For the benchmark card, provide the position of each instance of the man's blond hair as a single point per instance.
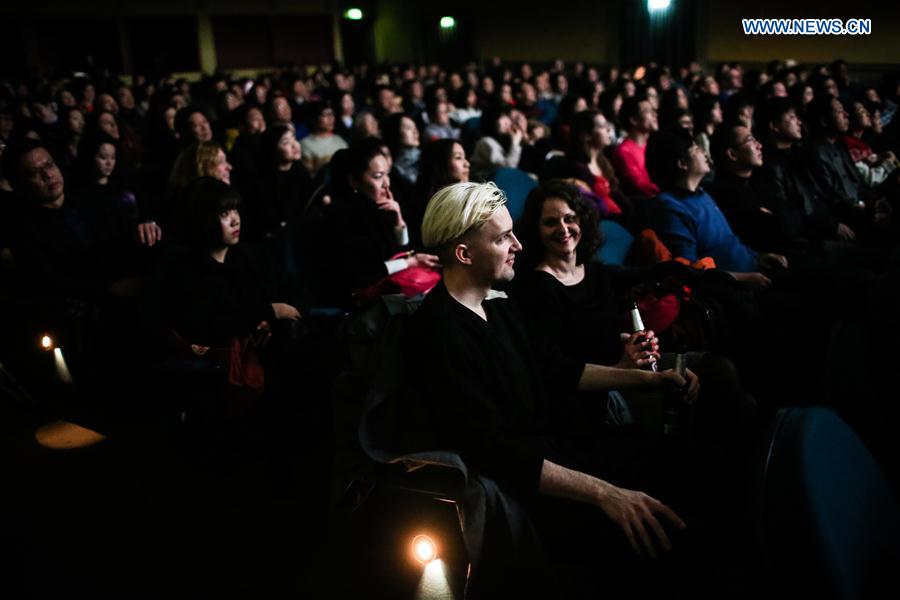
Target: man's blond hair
(458, 209)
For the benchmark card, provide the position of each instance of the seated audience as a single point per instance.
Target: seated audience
(687, 219)
(217, 290)
(321, 144)
(501, 145)
(638, 118)
(366, 228)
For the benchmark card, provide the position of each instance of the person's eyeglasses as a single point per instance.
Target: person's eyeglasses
(42, 171)
(747, 140)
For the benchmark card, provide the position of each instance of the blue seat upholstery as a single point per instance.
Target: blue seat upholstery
(517, 184)
(830, 522)
(616, 245)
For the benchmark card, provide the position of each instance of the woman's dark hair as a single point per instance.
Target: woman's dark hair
(703, 109)
(631, 109)
(664, 149)
(268, 146)
(360, 154)
(88, 147)
(460, 97)
(796, 91)
(606, 104)
(527, 228)
(434, 167)
(92, 122)
(390, 132)
(668, 101)
(490, 119)
(205, 200)
(182, 120)
(314, 110)
(582, 131)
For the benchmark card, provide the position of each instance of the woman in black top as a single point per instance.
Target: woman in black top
(219, 290)
(364, 227)
(285, 185)
(104, 202)
(571, 307)
(569, 300)
(557, 279)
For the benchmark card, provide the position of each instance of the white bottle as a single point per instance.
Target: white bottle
(637, 324)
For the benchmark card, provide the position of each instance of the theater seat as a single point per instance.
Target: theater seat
(617, 243)
(829, 521)
(517, 184)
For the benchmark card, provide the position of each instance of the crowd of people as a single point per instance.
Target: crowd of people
(227, 213)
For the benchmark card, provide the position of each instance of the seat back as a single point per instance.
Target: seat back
(516, 184)
(830, 523)
(617, 243)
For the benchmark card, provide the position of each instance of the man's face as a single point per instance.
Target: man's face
(647, 120)
(527, 94)
(789, 127)
(493, 249)
(386, 100)
(840, 120)
(746, 150)
(126, 98)
(697, 165)
(41, 179)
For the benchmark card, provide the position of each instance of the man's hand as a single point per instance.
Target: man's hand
(689, 384)
(755, 280)
(844, 233)
(635, 512)
(148, 233)
(285, 311)
(772, 261)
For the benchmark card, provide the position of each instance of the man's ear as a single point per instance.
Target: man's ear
(461, 253)
(682, 166)
(730, 155)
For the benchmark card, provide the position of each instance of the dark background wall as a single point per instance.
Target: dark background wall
(200, 35)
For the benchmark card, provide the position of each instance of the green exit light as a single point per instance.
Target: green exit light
(448, 22)
(354, 14)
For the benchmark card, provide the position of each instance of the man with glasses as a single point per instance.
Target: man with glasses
(751, 208)
(56, 254)
(686, 218)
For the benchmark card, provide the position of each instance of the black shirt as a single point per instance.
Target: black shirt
(481, 387)
(210, 303)
(785, 175)
(571, 324)
(742, 200)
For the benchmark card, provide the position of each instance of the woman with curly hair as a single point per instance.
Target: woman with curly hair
(570, 303)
